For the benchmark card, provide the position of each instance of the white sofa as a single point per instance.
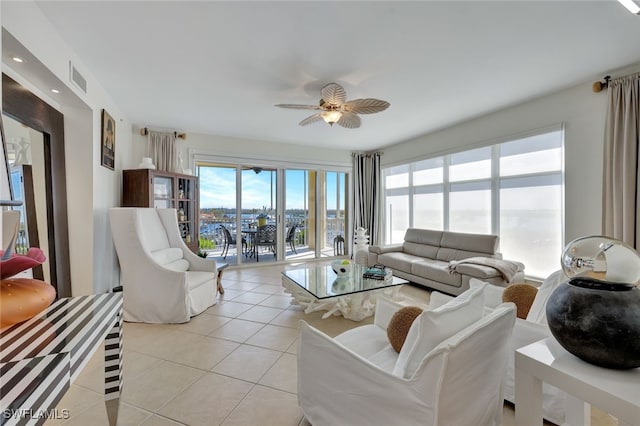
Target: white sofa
(163, 280)
(425, 255)
(525, 332)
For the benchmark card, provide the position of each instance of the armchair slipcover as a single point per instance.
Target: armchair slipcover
(162, 280)
(525, 332)
(348, 380)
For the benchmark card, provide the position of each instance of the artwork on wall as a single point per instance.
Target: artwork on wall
(108, 140)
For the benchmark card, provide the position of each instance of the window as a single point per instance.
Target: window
(513, 189)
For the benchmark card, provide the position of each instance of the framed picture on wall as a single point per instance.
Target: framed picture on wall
(108, 140)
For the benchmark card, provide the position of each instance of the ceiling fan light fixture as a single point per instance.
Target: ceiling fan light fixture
(330, 117)
(631, 6)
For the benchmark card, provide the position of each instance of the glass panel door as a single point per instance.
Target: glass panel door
(297, 205)
(333, 214)
(218, 212)
(259, 214)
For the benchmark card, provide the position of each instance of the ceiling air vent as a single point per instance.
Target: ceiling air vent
(77, 78)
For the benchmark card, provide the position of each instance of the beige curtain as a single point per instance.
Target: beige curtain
(162, 150)
(621, 158)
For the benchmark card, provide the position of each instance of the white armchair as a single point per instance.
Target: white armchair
(525, 332)
(162, 280)
(352, 379)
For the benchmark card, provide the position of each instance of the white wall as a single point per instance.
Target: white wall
(583, 113)
(91, 188)
(254, 151)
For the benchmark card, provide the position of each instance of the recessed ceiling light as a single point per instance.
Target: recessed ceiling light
(18, 59)
(55, 90)
(631, 6)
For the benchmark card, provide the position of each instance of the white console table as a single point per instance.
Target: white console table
(614, 391)
(41, 357)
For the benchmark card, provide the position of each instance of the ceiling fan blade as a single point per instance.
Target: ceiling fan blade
(349, 120)
(311, 119)
(365, 106)
(296, 106)
(333, 93)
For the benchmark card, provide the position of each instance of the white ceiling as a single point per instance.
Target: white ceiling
(218, 67)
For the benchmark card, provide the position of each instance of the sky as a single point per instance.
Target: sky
(218, 188)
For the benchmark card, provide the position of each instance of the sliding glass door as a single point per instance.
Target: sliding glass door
(247, 217)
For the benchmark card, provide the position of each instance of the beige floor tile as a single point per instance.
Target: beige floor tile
(266, 407)
(159, 385)
(333, 325)
(136, 363)
(237, 330)
(293, 348)
(230, 293)
(157, 420)
(274, 337)
(75, 401)
(277, 301)
(262, 314)
(283, 375)
(148, 338)
(207, 401)
(128, 415)
(248, 363)
(267, 289)
(92, 376)
(251, 297)
(202, 324)
(196, 351)
(228, 309)
(289, 318)
(241, 286)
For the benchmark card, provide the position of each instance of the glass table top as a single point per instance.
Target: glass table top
(323, 283)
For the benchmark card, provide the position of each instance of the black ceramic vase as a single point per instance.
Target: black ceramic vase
(597, 321)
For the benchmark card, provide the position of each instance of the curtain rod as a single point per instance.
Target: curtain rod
(145, 131)
(599, 85)
(367, 154)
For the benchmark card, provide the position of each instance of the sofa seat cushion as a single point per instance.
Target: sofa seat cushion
(371, 343)
(399, 261)
(166, 255)
(436, 271)
(180, 265)
(198, 278)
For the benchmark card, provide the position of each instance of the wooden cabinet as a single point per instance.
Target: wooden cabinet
(160, 189)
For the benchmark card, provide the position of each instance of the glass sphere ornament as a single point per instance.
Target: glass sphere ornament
(596, 314)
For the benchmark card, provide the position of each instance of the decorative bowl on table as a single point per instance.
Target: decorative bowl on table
(596, 314)
(342, 268)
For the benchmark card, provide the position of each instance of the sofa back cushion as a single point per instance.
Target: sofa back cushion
(151, 231)
(458, 246)
(422, 242)
(433, 326)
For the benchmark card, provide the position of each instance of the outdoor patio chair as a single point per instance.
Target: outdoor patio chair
(230, 240)
(265, 237)
(291, 237)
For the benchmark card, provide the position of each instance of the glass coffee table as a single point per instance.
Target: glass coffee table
(318, 288)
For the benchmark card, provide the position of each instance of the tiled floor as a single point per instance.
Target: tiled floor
(235, 364)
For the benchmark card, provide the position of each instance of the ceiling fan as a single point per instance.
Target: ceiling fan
(334, 108)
